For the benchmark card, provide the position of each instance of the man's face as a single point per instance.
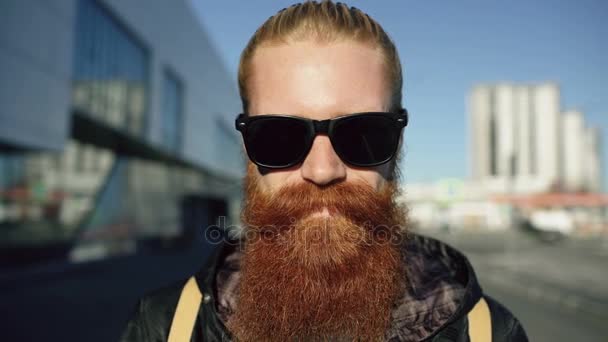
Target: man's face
(319, 81)
(323, 223)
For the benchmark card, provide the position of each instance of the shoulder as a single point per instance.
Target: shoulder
(152, 315)
(505, 327)
(431, 247)
(431, 256)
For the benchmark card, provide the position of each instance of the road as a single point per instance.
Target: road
(558, 290)
(86, 302)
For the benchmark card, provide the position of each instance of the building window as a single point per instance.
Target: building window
(109, 70)
(172, 99)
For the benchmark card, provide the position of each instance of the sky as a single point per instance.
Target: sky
(447, 47)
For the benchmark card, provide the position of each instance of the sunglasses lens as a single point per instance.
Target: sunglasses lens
(366, 140)
(276, 142)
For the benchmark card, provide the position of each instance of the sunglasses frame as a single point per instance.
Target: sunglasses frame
(316, 127)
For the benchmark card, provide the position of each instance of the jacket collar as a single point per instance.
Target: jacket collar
(442, 287)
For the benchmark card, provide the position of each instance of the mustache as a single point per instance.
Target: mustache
(356, 201)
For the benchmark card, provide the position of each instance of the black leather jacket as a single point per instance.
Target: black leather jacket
(434, 308)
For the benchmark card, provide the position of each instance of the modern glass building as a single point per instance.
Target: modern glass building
(115, 128)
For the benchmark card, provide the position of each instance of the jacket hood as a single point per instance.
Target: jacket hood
(442, 287)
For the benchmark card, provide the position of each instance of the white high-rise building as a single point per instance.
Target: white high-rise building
(524, 137)
(520, 142)
(504, 120)
(591, 161)
(547, 130)
(480, 128)
(574, 150)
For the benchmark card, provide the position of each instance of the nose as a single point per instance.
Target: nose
(322, 166)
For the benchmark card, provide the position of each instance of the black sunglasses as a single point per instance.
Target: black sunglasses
(361, 139)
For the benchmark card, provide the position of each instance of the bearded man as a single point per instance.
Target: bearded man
(325, 253)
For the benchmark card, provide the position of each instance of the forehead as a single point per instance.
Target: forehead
(317, 80)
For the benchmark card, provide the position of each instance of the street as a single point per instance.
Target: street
(87, 302)
(557, 290)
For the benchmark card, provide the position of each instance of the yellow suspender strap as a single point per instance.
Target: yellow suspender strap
(480, 322)
(186, 312)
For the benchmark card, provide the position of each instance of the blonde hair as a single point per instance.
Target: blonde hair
(324, 22)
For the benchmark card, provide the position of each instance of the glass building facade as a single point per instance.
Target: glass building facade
(110, 185)
(109, 71)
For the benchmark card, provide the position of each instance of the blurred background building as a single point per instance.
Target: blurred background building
(118, 154)
(522, 142)
(115, 129)
(532, 164)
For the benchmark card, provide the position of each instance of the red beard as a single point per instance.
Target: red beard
(314, 277)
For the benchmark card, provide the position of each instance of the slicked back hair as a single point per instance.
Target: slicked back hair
(323, 22)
